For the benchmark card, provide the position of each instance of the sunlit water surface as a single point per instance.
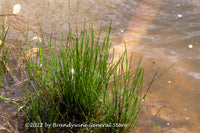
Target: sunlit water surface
(162, 32)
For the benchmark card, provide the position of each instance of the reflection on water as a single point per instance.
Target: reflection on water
(163, 32)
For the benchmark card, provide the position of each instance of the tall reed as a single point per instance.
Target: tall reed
(3, 51)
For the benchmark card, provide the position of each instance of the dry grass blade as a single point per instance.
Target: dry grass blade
(8, 70)
(5, 117)
(3, 129)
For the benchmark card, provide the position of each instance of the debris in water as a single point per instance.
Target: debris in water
(31, 53)
(36, 38)
(122, 31)
(168, 123)
(158, 76)
(16, 8)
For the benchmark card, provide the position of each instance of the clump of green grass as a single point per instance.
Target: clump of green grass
(74, 85)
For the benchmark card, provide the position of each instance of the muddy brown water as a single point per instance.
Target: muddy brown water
(161, 31)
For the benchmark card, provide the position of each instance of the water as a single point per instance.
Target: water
(162, 32)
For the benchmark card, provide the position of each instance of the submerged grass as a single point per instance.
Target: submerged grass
(73, 88)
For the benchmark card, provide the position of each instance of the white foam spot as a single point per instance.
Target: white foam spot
(187, 118)
(180, 15)
(194, 75)
(169, 82)
(190, 46)
(168, 123)
(121, 31)
(16, 8)
(178, 5)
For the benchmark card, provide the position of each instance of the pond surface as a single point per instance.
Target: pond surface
(161, 31)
